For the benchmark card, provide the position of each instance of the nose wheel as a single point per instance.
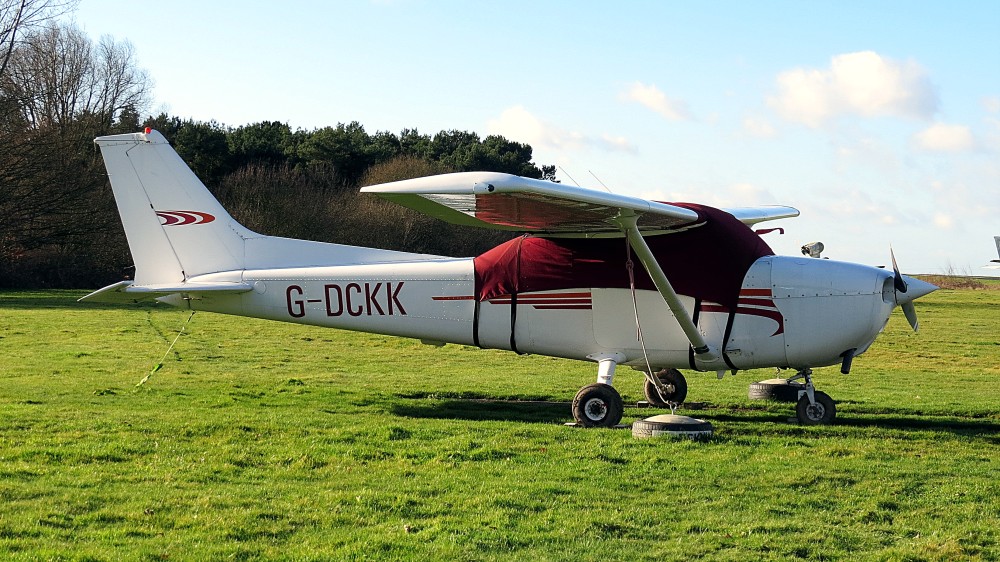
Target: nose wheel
(814, 407)
(821, 411)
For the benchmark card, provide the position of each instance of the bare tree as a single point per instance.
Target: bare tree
(57, 75)
(58, 92)
(119, 84)
(18, 17)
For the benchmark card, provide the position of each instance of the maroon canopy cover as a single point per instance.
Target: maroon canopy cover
(707, 262)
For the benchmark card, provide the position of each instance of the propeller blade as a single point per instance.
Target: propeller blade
(898, 283)
(910, 312)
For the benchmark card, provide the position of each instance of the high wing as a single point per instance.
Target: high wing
(508, 202)
(753, 215)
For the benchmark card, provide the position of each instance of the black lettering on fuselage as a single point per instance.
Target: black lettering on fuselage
(347, 295)
(356, 299)
(296, 308)
(371, 294)
(394, 298)
(329, 301)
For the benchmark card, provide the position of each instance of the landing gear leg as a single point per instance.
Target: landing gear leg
(599, 405)
(814, 407)
(672, 391)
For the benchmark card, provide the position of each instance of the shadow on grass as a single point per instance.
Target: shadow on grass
(541, 411)
(987, 429)
(479, 409)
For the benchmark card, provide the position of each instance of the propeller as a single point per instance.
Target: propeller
(910, 312)
(898, 282)
(907, 290)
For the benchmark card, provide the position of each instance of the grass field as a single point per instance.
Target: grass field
(266, 440)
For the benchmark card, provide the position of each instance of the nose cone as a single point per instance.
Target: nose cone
(915, 288)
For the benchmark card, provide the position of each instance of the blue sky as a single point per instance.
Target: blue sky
(880, 121)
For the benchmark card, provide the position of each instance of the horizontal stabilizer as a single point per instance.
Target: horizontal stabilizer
(126, 292)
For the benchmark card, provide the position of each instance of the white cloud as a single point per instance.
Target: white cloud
(735, 195)
(517, 123)
(863, 83)
(943, 221)
(991, 104)
(617, 143)
(866, 153)
(941, 137)
(758, 127)
(651, 97)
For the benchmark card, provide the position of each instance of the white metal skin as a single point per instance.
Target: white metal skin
(681, 315)
(795, 312)
(995, 264)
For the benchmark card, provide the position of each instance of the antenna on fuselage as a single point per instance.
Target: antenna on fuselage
(600, 182)
(568, 176)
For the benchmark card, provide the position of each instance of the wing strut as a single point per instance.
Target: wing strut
(645, 255)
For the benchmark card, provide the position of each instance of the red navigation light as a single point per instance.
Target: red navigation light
(148, 130)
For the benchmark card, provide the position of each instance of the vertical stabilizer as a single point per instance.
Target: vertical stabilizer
(175, 228)
(997, 240)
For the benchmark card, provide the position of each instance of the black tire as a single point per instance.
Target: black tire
(822, 412)
(676, 384)
(779, 390)
(682, 427)
(598, 405)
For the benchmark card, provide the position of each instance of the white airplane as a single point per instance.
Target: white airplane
(997, 240)
(709, 295)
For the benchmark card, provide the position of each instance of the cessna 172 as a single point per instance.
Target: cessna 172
(710, 295)
(997, 240)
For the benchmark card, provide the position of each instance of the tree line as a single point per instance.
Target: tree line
(59, 226)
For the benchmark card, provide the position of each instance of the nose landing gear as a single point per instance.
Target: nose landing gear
(820, 411)
(814, 407)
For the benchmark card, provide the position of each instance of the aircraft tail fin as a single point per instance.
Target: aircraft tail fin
(997, 240)
(175, 228)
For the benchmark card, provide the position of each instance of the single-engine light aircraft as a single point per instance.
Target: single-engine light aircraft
(995, 264)
(709, 295)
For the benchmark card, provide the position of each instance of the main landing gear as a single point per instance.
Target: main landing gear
(600, 405)
(673, 389)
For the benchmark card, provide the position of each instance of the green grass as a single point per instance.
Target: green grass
(266, 440)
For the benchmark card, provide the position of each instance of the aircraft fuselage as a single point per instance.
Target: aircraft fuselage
(793, 312)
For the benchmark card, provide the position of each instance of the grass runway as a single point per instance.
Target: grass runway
(263, 440)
